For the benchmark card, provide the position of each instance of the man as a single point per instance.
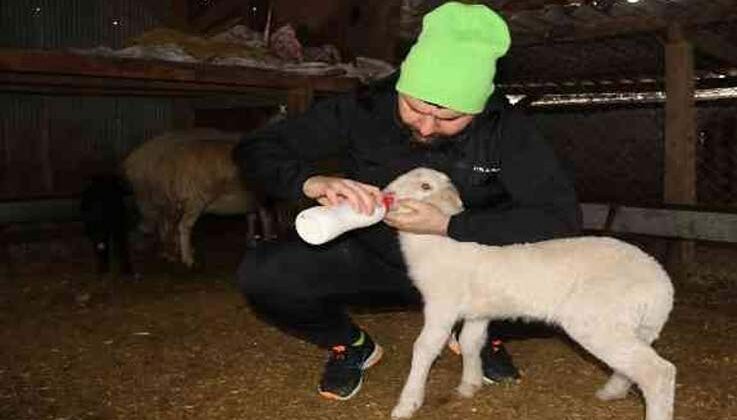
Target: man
(442, 113)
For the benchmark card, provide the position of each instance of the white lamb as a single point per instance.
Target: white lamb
(609, 296)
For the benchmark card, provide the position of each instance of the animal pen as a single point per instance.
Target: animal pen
(638, 98)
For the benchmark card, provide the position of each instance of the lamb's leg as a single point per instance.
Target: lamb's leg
(630, 356)
(473, 336)
(615, 388)
(438, 324)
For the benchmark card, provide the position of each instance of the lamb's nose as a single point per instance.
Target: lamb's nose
(388, 200)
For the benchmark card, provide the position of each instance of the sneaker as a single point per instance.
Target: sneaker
(343, 373)
(497, 363)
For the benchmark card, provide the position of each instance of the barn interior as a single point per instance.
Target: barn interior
(637, 97)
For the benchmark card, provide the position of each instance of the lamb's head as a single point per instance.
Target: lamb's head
(427, 185)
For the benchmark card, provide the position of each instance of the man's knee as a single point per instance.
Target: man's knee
(254, 275)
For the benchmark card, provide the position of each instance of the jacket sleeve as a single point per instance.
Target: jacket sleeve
(543, 203)
(279, 158)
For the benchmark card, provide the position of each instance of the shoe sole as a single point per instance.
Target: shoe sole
(510, 381)
(372, 360)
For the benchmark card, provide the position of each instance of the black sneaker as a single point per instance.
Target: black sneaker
(343, 373)
(497, 363)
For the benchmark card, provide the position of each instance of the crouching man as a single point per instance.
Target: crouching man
(440, 111)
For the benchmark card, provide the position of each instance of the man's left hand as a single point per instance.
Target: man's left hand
(418, 217)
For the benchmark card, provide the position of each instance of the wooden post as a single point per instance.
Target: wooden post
(680, 138)
(298, 100)
(183, 115)
(179, 17)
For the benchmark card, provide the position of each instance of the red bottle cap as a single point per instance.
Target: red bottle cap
(388, 201)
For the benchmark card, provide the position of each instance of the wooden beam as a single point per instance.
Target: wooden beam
(680, 138)
(513, 6)
(680, 120)
(629, 25)
(63, 70)
(299, 100)
(678, 223)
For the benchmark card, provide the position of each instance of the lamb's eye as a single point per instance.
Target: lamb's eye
(425, 186)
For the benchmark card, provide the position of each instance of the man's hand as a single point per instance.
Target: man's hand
(419, 217)
(331, 191)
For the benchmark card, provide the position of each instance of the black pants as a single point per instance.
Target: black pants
(304, 289)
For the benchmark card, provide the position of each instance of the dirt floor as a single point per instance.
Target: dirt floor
(183, 345)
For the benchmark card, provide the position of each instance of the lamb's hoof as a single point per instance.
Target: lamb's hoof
(606, 394)
(467, 390)
(405, 410)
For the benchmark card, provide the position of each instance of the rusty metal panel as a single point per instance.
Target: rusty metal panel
(49, 145)
(22, 170)
(56, 24)
(616, 153)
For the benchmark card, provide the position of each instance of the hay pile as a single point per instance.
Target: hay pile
(241, 46)
(202, 49)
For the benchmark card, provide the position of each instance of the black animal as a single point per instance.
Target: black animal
(106, 222)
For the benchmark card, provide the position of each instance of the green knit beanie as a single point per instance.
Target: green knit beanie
(453, 62)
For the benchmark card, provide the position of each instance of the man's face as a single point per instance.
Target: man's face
(429, 122)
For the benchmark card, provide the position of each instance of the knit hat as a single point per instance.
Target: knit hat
(453, 62)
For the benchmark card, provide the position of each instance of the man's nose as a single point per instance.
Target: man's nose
(426, 125)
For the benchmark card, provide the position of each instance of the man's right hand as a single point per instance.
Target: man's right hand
(331, 191)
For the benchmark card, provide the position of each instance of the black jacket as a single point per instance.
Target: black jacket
(510, 180)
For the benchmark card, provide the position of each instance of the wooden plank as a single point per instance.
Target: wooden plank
(299, 100)
(74, 90)
(44, 156)
(51, 210)
(515, 6)
(22, 64)
(686, 222)
(47, 210)
(630, 25)
(17, 81)
(692, 224)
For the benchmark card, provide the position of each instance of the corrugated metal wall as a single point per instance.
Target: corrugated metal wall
(49, 144)
(53, 24)
(616, 153)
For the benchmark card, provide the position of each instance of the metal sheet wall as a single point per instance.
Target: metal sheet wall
(49, 145)
(616, 154)
(54, 24)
